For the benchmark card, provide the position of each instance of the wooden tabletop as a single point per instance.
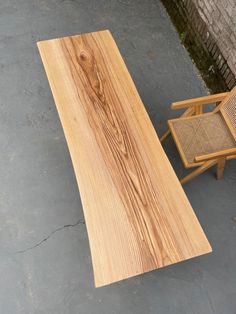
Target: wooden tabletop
(137, 215)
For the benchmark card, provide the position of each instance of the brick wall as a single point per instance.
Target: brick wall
(208, 30)
(220, 17)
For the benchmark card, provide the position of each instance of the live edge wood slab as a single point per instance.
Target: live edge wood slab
(137, 215)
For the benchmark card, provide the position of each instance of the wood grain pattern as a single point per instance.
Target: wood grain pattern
(137, 215)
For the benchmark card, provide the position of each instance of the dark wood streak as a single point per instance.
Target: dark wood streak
(121, 154)
(178, 221)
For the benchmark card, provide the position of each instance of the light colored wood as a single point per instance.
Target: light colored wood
(137, 215)
(198, 109)
(188, 113)
(165, 136)
(216, 155)
(230, 157)
(199, 101)
(198, 171)
(220, 167)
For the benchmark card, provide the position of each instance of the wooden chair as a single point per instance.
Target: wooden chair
(205, 139)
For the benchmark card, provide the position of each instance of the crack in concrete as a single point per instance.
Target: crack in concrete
(79, 222)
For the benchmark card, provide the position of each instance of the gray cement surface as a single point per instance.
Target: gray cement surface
(45, 263)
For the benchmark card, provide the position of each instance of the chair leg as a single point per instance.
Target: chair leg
(164, 136)
(198, 171)
(220, 168)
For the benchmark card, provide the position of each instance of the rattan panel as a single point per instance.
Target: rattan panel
(229, 109)
(203, 134)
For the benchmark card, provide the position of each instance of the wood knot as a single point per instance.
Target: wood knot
(83, 56)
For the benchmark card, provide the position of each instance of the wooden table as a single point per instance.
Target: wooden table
(137, 215)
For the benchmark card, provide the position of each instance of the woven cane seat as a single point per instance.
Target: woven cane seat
(199, 135)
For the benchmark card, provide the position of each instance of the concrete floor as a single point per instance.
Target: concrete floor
(45, 264)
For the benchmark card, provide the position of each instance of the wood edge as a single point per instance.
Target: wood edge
(193, 117)
(206, 251)
(208, 99)
(216, 155)
(97, 284)
(40, 45)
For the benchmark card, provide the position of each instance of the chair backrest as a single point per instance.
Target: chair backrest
(228, 111)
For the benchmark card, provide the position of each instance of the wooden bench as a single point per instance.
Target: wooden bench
(137, 215)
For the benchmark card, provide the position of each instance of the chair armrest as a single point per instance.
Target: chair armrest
(199, 101)
(220, 154)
